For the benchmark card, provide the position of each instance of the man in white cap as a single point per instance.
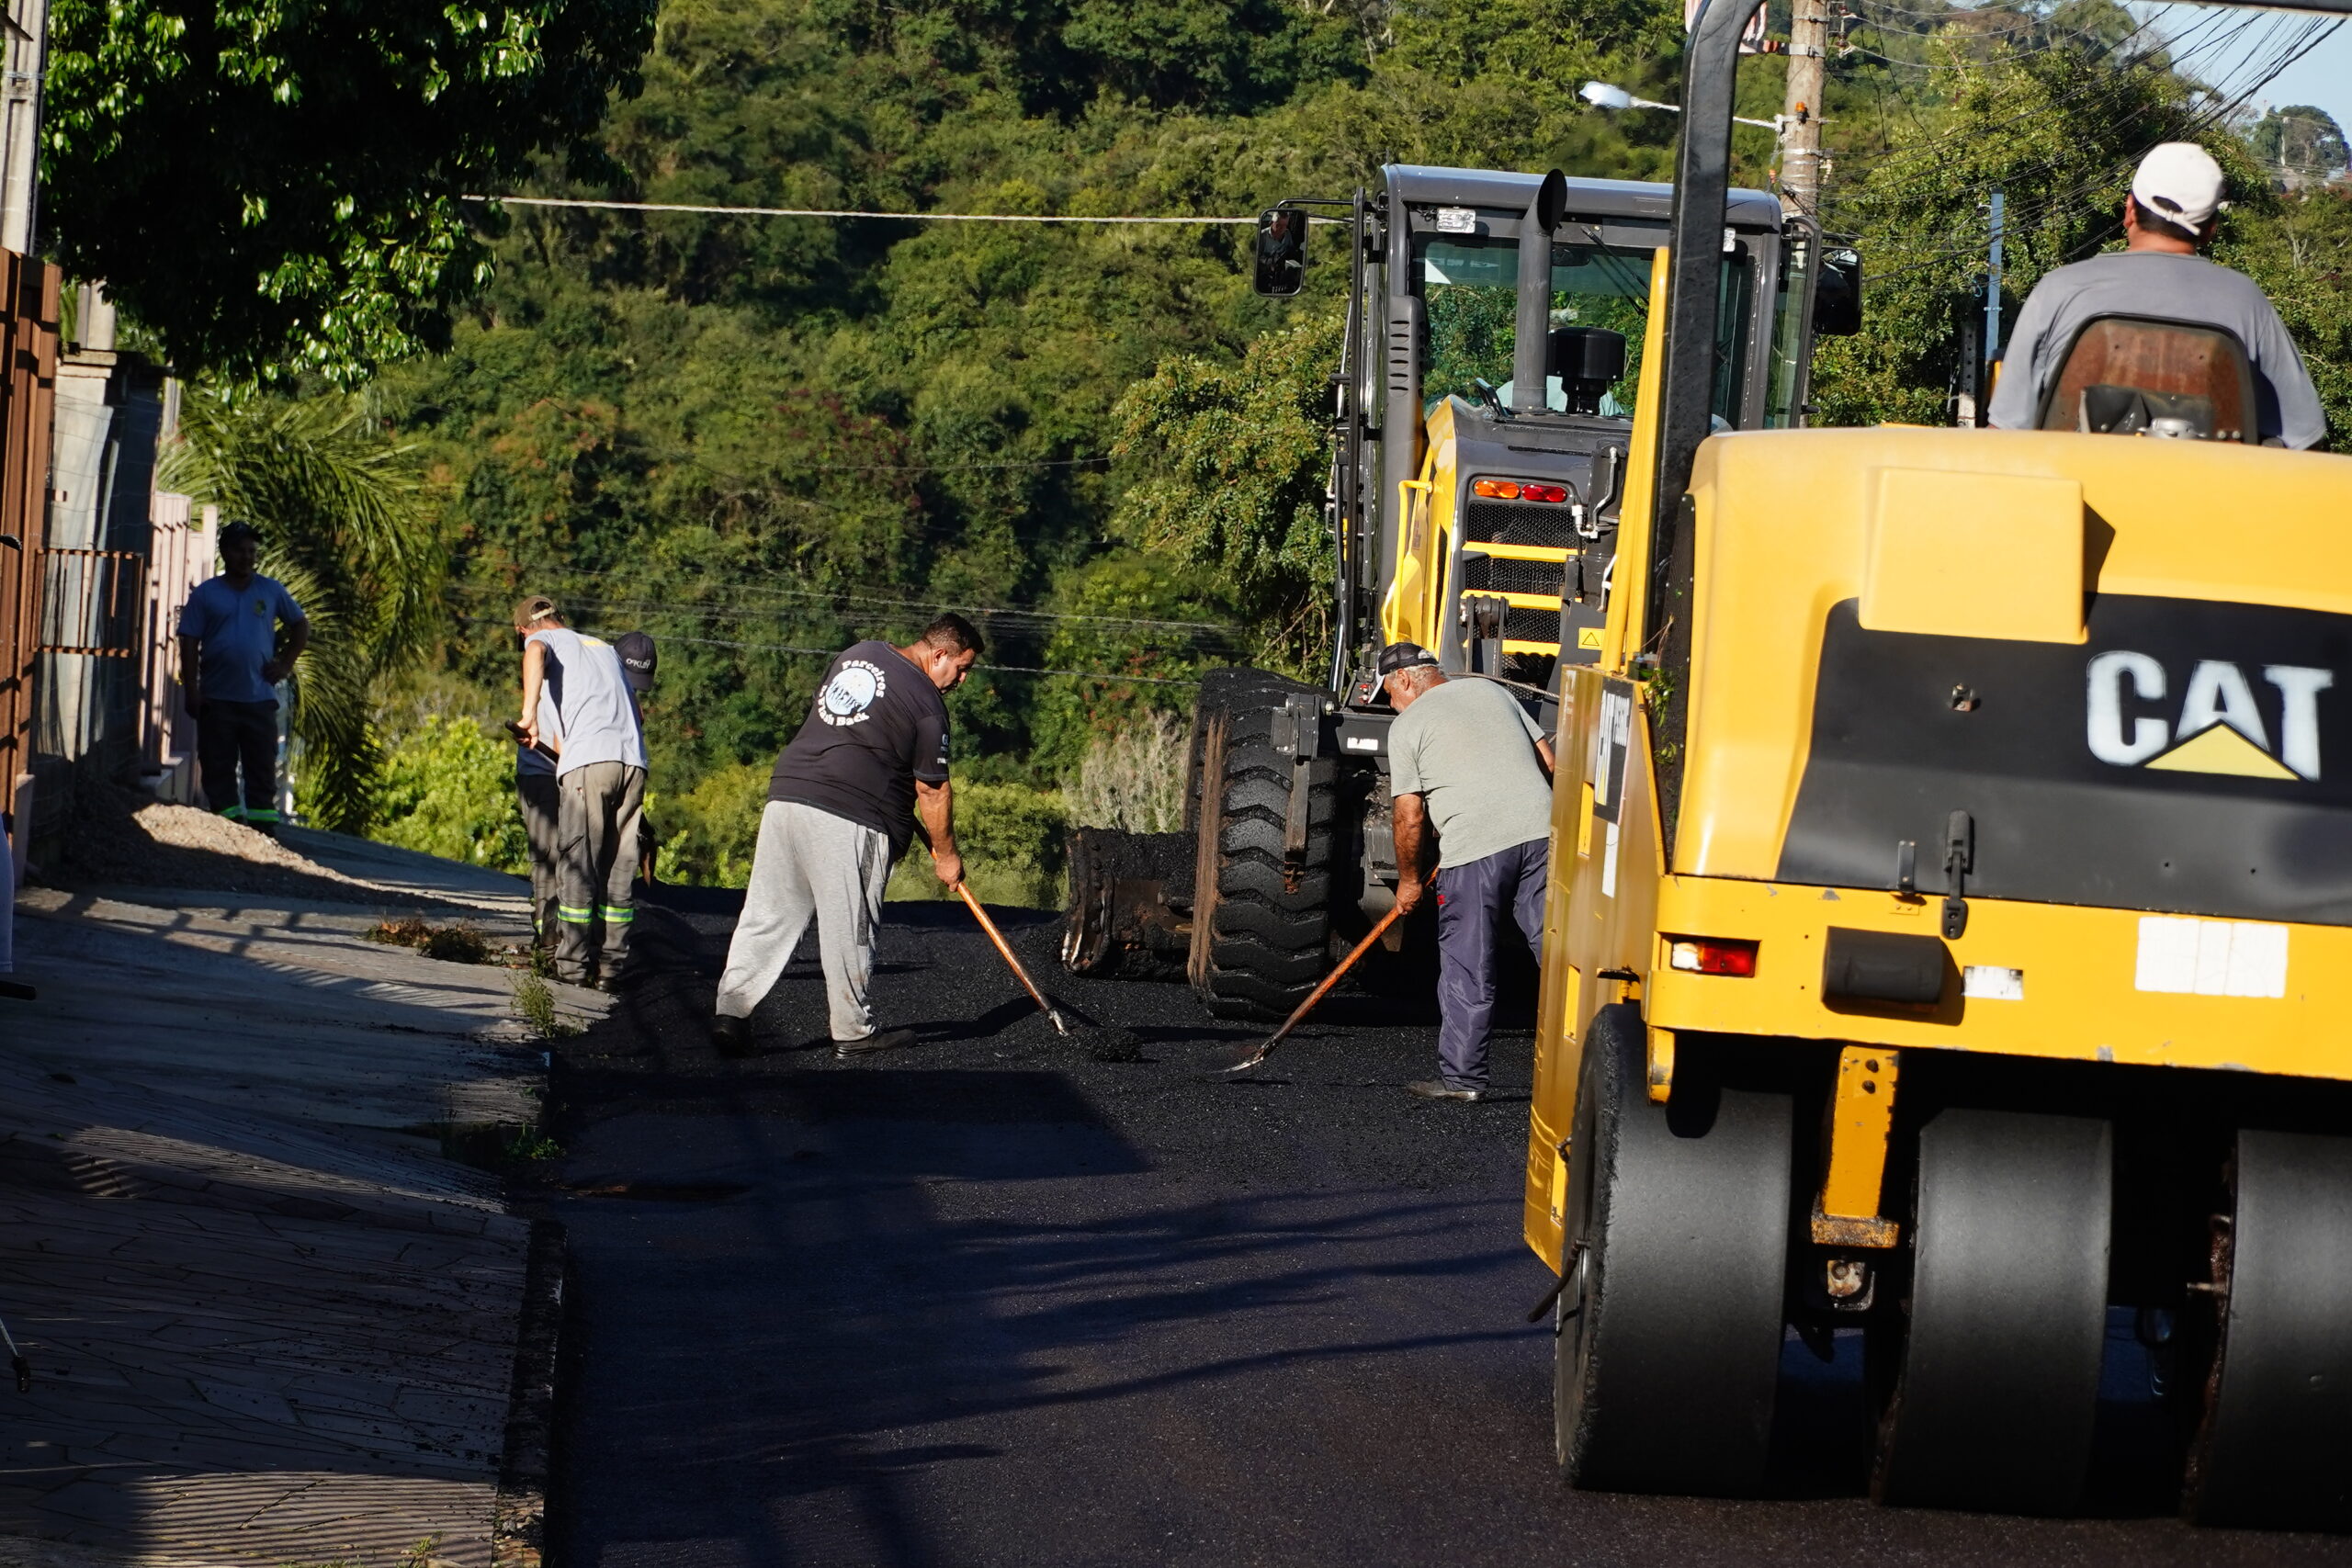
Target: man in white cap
(2171, 214)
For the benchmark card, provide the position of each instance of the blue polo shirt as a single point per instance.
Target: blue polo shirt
(238, 631)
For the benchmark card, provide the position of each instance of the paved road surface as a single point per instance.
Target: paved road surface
(991, 1299)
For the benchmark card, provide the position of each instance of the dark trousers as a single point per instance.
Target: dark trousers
(1472, 902)
(542, 812)
(229, 736)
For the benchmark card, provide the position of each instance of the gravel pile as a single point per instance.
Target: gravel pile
(123, 839)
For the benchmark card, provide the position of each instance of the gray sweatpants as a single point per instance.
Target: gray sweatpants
(809, 863)
(597, 809)
(542, 811)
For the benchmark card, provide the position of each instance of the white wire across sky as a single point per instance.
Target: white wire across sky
(570, 201)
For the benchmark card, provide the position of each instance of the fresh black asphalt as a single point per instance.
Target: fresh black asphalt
(994, 1298)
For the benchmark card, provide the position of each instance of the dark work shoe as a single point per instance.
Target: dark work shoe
(880, 1040)
(731, 1036)
(1438, 1088)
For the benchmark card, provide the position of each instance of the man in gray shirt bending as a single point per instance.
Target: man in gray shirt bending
(2168, 217)
(1464, 760)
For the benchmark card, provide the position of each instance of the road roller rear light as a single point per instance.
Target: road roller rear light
(1712, 955)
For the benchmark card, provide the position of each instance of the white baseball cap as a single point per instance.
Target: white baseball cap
(2180, 182)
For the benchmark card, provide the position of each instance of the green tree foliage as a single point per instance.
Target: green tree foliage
(2058, 130)
(448, 789)
(760, 438)
(345, 526)
(1231, 466)
(2299, 140)
(273, 188)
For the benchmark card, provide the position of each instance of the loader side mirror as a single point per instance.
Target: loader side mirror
(1282, 252)
(1838, 298)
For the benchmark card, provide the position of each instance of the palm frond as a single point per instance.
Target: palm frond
(347, 525)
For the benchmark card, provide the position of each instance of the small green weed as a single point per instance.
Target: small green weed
(535, 1005)
(529, 1143)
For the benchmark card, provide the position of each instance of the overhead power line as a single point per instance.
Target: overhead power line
(570, 201)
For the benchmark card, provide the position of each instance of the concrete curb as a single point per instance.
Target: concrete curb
(518, 1527)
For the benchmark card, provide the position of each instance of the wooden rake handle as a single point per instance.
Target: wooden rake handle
(1317, 993)
(1004, 949)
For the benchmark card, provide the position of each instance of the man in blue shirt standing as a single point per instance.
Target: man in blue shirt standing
(230, 666)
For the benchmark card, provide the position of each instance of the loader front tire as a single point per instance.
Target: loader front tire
(1261, 920)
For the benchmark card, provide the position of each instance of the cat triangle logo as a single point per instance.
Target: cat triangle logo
(2222, 750)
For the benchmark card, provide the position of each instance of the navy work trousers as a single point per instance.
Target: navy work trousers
(1474, 901)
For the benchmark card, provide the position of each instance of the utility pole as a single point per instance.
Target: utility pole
(25, 23)
(1801, 113)
(1992, 306)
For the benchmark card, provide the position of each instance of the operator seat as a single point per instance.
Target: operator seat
(2140, 376)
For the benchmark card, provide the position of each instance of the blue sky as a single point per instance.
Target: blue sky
(2323, 77)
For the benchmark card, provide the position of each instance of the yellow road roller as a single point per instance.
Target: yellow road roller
(1949, 935)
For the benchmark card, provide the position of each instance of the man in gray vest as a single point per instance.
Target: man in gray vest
(1465, 763)
(600, 787)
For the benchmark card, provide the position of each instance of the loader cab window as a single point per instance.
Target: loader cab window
(1469, 286)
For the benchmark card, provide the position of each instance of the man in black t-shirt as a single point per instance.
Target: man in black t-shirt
(868, 772)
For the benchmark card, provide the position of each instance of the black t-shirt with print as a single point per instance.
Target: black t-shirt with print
(878, 725)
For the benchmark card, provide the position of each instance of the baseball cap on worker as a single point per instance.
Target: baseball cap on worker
(1399, 656)
(533, 608)
(2180, 182)
(637, 658)
(240, 530)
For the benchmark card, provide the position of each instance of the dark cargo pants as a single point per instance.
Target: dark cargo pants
(231, 737)
(542, 829)
(1472, 902)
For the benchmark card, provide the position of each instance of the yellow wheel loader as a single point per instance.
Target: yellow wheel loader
(1950, 933)
(1483, 416)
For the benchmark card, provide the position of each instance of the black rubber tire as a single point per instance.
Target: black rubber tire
(1219, 690)
(1668, 1353)
(1263, 931)
(2275, 1445)
(1100, 859)
(1995, 1381)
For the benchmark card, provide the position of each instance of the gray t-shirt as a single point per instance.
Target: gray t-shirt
(592, 702)
(1468, 749)
(2169, 287)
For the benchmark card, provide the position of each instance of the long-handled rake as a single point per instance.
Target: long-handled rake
(1242, 1058)
(1005, 949)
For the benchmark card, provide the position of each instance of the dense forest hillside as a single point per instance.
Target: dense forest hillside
(761, 437)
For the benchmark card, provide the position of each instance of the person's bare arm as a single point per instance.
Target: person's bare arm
(534, 674)
(191, 659)
(1543, 754)
(934, 820)
(297, 638)
(1409, 819)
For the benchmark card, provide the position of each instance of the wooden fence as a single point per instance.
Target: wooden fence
(28, 294)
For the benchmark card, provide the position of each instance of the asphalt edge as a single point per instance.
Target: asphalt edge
(518, 1521)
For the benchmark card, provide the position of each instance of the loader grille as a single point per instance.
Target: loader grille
(1512, 577)
(1518, 522)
